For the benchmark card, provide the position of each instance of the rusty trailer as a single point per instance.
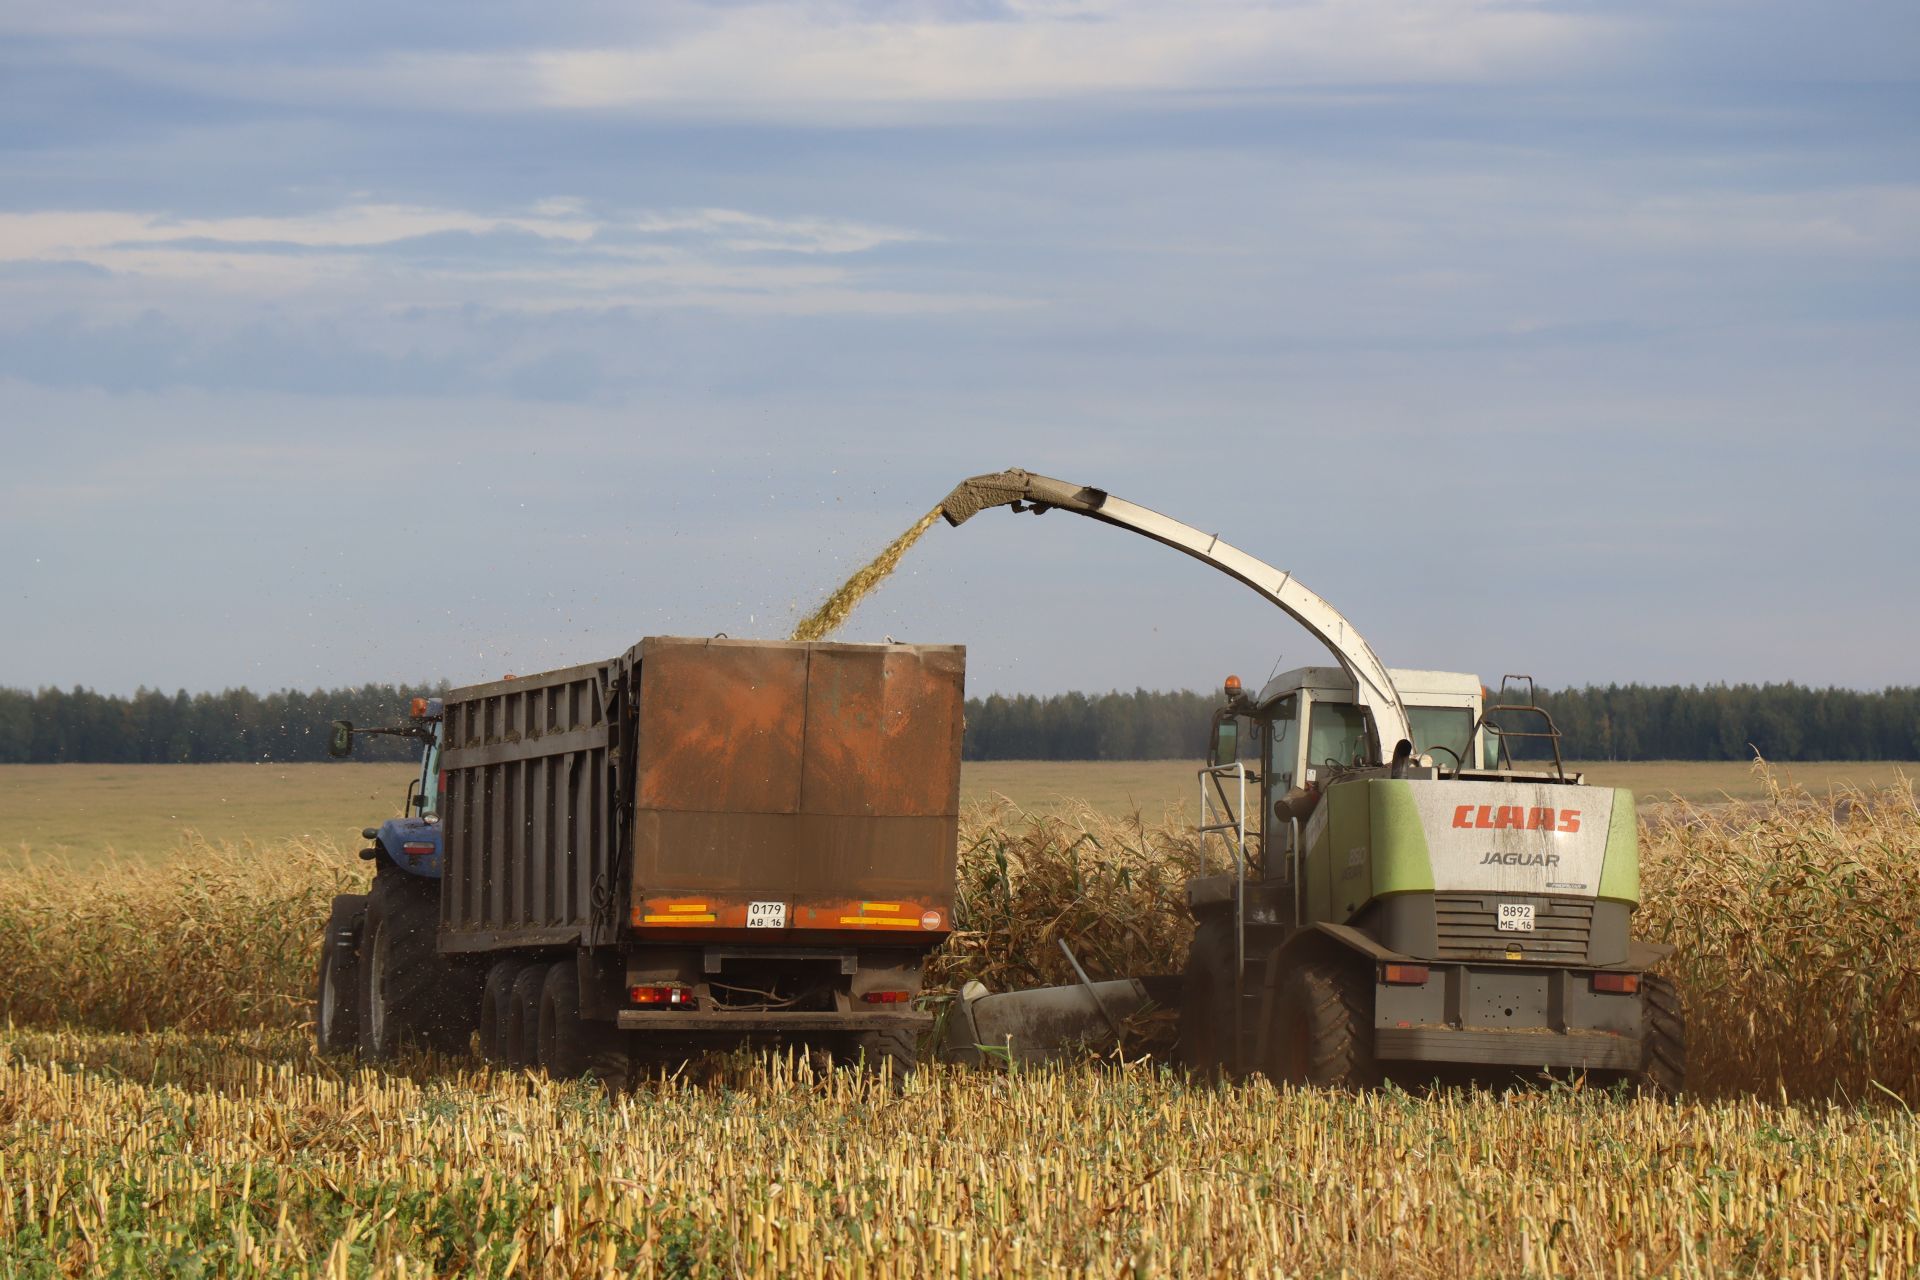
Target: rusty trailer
(697, 843)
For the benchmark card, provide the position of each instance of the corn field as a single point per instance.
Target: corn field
(241, 1155)
(162, 1113)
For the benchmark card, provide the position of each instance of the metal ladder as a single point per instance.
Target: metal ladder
(1232, 828)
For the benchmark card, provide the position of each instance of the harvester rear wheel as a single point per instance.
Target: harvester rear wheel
(336, 994)
(1206, 1000)
(1663, 1066)
(1323, 1033)
(496, 1007)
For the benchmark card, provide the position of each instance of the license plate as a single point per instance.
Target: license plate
(1516, 917)
(773, 915)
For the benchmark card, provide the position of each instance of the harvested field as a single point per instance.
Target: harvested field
(240, 1155)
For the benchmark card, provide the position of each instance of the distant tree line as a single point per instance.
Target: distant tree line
(57, 726)
(1618, 722)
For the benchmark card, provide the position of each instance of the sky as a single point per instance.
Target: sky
(349, 342)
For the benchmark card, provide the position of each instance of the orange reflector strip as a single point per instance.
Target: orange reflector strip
(883, 921)
(690, 908)
(706, 918)
(884, 907)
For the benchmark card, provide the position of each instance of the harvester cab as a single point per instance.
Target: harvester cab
(412, 841)
(1402, 896)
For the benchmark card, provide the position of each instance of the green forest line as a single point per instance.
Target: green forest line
(1616, 722)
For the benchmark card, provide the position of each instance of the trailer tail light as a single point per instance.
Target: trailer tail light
(1620, 983)
(887, 997)
(1404, 975)
(669, 994)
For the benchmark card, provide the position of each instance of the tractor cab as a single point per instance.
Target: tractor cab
(410, 842)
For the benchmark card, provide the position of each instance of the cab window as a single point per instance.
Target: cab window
(430, 776)
(1283, 743)
(1336, 732)
(1445, 727)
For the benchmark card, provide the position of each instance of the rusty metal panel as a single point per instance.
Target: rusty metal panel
(883, 731)
(720, 725)
(820, 776)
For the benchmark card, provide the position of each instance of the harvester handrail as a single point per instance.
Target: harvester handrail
(1388, 733)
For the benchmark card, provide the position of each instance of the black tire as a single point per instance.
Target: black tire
(408, 992)
(520, 1042)
(496, 1005)
(894, 1050)
(1206, 1000)
(1323, 1025)
(563, 1037)
(336, 988)
(1663, 1039)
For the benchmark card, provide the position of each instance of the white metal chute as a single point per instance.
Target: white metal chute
(1374, 691)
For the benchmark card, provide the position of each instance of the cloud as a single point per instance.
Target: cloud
(554, 255)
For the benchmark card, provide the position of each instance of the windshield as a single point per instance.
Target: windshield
(1444, 727)
(1336, 734)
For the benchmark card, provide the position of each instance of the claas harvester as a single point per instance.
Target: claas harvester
(1418, 888)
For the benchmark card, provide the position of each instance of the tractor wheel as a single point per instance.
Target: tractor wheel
(1663, 1031)
(1323, 1029)
(894, 1050)
(336, 993)
(1206, 1000)
(496, 1007)
(408, 992)
(520, 1024)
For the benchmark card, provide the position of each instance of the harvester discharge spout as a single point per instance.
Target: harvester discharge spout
(1389, 737)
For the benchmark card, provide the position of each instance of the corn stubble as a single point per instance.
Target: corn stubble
(222, 1141)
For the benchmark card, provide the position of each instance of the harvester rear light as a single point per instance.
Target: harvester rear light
(1404, 975)
(1621, 983)
(887, 997)
(672, 996)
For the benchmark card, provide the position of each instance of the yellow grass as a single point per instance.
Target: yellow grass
(243, 1156)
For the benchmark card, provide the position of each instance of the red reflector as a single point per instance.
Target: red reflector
(1623, 983)
(1406, 975)
(887, 997)
(669, 995)
(415, 848)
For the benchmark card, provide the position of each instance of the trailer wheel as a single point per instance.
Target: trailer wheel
(877, 1052)
(1206, 1000)
(1324, 1026)
(496, 1007)
(1663, 1064)
(520, 1023)
(336, 993)
(563, 1036)
(407, 990)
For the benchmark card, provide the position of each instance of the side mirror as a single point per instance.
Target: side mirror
(1226, 741)
(340, 745)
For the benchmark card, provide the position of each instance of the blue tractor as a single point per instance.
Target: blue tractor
(380, 973)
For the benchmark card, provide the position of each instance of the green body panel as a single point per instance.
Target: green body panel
(1620, 876)
(1401, 860)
